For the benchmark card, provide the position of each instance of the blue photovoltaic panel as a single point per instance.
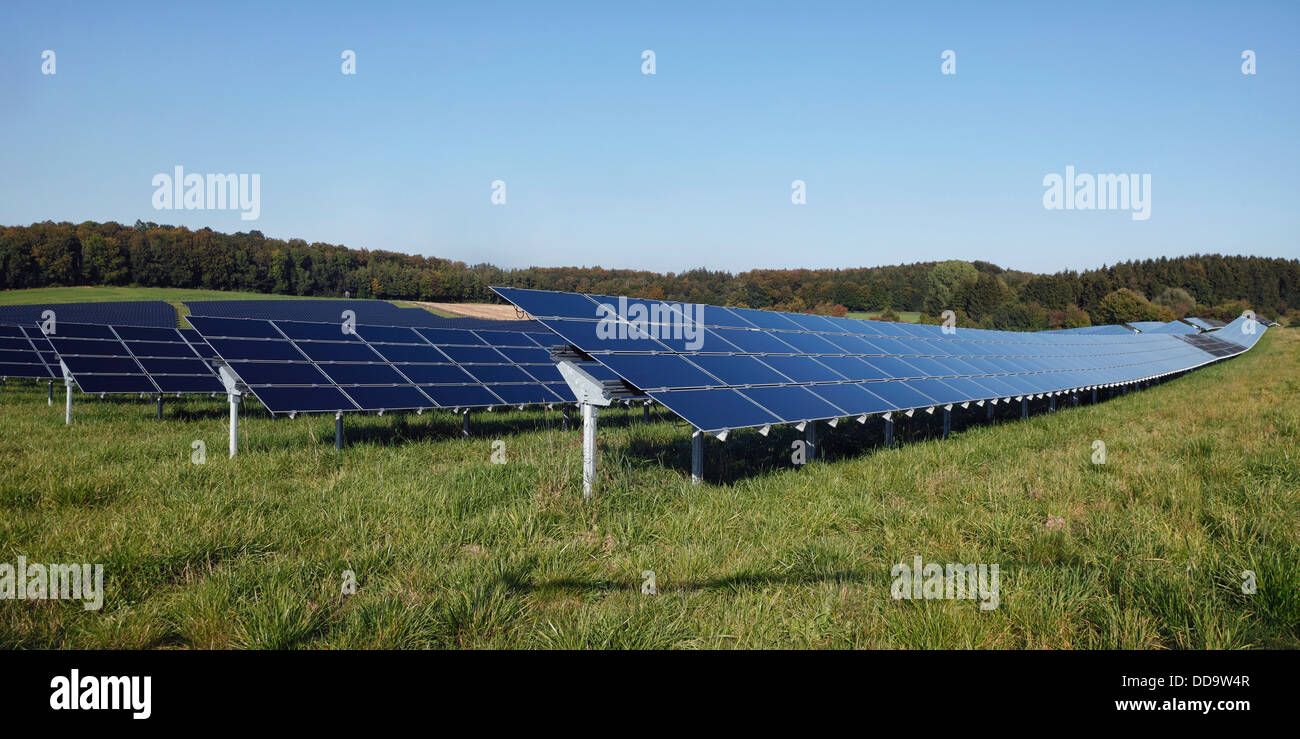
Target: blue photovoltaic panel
(749, 341)
(466, 338)
(738, 370)
(304, 399)
(715, 409)
(435, 374)
(855, 399)
(303, 367)
(133, 313)
(553, 304)
(19, 356)
(803, 369)
(792, 403)
(652, 371)
(545, 373)
(132, 359)
(754, 367)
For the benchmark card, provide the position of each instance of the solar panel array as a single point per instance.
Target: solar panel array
(1110, 329)
(132, 359)
(1205, 324)
(311, 367)
(131, 313)
(20, 356)
(1173, 327)
(1243, 332)
(757, 368)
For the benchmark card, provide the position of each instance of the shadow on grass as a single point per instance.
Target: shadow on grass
(729, 582)
(747, 453)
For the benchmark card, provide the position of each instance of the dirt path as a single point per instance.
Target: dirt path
(487, 311)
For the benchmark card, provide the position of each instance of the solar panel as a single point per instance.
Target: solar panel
(1205, 324)
(732, 368)
(131, 359)
(19, 356)
(1173, 327)
(304, 367)
(130, 313)
(1243, 332)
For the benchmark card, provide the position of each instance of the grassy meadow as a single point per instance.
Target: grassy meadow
(905, 316)
(175, 296)
(449, 550)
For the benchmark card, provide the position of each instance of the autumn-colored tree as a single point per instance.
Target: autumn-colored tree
(1124, 305)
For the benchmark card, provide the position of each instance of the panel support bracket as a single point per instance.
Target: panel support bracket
(67, 383)
(592, 394)
(234, 394)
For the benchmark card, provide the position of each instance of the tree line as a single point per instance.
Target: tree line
(978, 293)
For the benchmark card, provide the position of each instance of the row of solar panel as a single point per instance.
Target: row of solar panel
(24, 352)
(131, 313)
(601, 323)
(294, 366)
(792, 367)
(721, 408)
(134, 359)
(596, 337)
(544, 305)
(335, 370)
(661, 371)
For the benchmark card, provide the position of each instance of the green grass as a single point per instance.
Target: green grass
(175, 296)
(106, 294)
(451, 550)
(906, 316)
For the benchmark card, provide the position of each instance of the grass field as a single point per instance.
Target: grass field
(105, 294)
(906, 316)
(451, 550)
(175, 296)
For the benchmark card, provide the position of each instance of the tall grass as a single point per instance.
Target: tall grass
(452, 551)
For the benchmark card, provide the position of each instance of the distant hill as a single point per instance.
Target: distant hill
(980, 293)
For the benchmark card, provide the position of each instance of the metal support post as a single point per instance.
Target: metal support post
(234, 425)
(589, 414)
(697, 457)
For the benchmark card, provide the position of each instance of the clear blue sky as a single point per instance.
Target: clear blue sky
(690, 167)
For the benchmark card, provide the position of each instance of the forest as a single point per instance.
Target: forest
(981, 294)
